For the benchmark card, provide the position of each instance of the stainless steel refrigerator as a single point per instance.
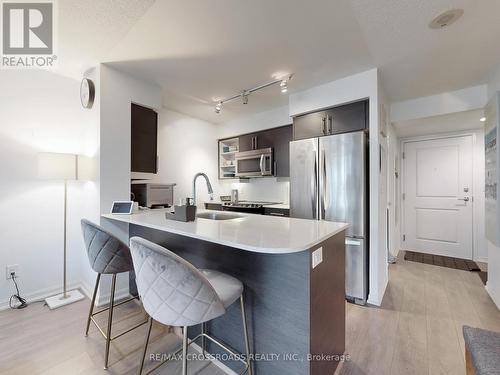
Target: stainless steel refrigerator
(328, 181)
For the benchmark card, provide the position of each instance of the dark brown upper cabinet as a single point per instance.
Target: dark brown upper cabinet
(276, 138)
(342, 119)
(279, 140)
(247, 142)
(144, 139)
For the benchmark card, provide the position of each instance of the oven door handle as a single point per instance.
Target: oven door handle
(261, 164)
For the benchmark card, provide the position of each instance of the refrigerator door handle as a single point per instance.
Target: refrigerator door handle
(314, 195)
(324, 187)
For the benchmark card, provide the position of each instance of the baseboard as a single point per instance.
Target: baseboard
(493, 294)
(481, 259)
(40, 295)
(377, 300)
(119, 295)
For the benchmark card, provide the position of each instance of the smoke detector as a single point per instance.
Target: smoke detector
(446, 18)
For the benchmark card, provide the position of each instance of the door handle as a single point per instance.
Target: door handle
(323, 198)
(314, 195)
(465, 199)
(330, 124)
(261, 164)
(324, 125)
(255, 143)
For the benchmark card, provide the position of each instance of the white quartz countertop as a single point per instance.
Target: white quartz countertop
(256, 233)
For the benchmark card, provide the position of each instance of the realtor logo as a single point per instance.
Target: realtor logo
(28, 34)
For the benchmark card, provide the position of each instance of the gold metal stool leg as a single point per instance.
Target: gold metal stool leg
(145, 346)
(92, 304)
(245, 331)
(184, 351)
(110, 321)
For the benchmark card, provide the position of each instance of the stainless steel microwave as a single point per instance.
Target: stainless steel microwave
(255, 163)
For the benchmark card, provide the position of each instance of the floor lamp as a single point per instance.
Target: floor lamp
(54, 166)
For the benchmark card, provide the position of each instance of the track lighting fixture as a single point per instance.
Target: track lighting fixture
(244, 97)
(284, 86)
(218, 107)
(283, 82)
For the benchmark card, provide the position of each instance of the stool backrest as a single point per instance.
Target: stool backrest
(107, 254)
(172, 290)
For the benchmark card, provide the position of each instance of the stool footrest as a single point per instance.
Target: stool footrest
(120, 334)
(221, 345)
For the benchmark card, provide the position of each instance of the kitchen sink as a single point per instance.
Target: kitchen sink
(217, 216)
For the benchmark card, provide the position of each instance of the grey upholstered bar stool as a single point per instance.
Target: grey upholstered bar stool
(107, 255)
(175, 293)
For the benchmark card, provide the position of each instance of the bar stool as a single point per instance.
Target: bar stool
(107, 255)
(175, 293)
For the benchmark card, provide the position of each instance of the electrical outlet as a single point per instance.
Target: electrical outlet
(317, 257)
(12, 268)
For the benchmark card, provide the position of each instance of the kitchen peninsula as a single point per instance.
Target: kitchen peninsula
(294, 276)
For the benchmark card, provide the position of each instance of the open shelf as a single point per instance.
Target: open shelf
(227, 157)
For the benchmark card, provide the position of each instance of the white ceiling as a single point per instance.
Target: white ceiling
(200, 50)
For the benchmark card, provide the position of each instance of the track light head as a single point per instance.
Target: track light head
(218, 107)
(244, 97)
(284, 86)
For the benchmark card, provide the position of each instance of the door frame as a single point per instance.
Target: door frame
(474, 190)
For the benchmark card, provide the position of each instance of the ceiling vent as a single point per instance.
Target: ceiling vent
(446, 18)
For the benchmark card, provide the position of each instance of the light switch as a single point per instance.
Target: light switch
(317, 257)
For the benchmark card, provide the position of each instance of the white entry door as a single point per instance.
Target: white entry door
(438, 196)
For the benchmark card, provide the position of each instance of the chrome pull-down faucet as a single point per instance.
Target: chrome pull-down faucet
(209, 186)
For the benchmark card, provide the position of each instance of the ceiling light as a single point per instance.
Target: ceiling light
(218, 107)
(283, 82)
(284, 86)
(482, 119)
(446, 18)
(244, 97)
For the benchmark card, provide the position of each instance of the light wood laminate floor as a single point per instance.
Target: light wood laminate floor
(417, 330)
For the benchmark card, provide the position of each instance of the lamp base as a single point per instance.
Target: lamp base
(59, 300)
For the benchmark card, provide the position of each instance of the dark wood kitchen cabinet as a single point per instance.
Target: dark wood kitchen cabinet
(346, 118)
(279, 140)
(276, 138)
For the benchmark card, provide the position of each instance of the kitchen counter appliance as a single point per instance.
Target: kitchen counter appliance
(153, 195)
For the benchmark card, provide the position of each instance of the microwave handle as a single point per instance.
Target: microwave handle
(262, 164)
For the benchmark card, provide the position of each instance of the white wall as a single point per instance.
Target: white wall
(118, 90)
(440, 104)
(393, 190)
(41, 111)
(186, 146)
(353, 88)
(494, 83)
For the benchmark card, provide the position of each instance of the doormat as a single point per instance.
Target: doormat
(449, 262)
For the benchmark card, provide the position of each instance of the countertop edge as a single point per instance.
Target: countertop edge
(263, 250)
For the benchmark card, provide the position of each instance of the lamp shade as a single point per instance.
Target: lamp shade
(55, 166)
